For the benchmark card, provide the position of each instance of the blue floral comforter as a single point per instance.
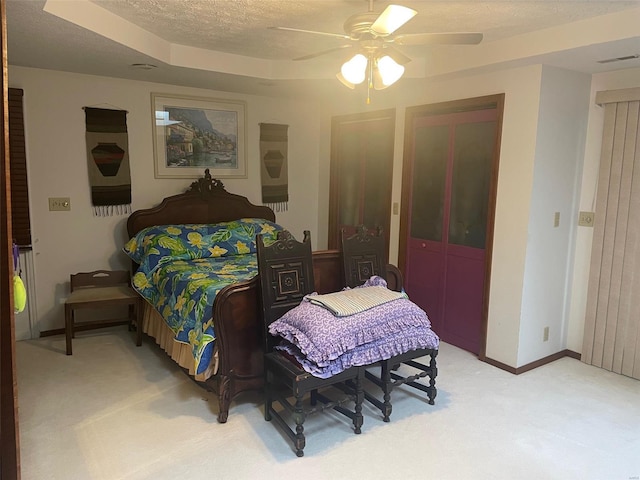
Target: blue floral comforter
(183, 267)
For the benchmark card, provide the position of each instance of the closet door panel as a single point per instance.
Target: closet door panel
(451, 165)
(361, 173)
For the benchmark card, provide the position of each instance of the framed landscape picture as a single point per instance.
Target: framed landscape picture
(191, 134)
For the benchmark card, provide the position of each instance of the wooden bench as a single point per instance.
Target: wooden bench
(97, 290)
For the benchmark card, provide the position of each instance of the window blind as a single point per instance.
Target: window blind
(21, 225)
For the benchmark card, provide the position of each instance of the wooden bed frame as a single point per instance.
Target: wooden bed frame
(236, 310)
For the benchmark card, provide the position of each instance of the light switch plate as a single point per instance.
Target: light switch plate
(585, 219)
(59, 204)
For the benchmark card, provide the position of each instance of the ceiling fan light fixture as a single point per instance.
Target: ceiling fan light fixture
(354, 70)
(344, 81)
(390, 71)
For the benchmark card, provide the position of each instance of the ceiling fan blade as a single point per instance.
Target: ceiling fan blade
(324, 52)
(336, 35)
(438, 39)
(391, 19)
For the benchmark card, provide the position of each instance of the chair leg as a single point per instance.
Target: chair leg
(385, 377)
(298, 415)
(68, 327)
(432, 380)
(358, 419)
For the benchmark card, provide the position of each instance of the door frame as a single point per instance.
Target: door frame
(9, 438)
(455, 106)
(334, 206)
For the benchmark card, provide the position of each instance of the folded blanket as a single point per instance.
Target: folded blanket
(409, 339)
(322, 336)
(356, 300)
(383, 324)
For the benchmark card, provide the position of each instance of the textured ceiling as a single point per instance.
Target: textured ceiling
(188, 39)
(240, 26)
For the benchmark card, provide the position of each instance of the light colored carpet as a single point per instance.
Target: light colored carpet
(115, 411)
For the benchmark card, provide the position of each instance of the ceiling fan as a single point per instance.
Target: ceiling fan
(374, 35)
(377, 29)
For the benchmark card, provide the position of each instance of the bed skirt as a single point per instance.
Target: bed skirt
(154, 325)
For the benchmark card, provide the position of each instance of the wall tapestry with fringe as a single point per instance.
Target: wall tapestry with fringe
(273, 166)
(108, 161)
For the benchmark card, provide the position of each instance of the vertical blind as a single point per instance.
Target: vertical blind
(612, 323)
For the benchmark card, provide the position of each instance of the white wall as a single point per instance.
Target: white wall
(570, 153)
(546, 110)
(69, 242)
(76, 241)
(562, 123)
(628, 78)
(521, 87)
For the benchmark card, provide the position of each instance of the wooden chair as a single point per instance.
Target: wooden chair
(364, 255)
(101, 289)
(286, 276)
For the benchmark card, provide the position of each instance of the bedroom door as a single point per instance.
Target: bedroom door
(361, 172)
(451, 165)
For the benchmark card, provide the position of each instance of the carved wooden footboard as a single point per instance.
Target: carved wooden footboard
(235, 307)
(239, 331)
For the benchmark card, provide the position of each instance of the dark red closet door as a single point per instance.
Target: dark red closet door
(451, 175)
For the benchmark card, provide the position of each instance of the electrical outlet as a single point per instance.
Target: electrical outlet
(585, 219)
(395, 208)
(545, 336)
(59, 204)
(556, 219)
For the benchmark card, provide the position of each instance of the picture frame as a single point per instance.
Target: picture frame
(191, 134)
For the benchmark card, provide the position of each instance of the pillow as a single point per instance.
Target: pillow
(159, 244)
(322, 337)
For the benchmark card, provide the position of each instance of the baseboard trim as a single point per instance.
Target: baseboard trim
(532, 365)
(500, 365)
(572, 354)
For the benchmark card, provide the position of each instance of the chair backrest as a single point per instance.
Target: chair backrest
(363, 254)
(286, 275)
(100, 278)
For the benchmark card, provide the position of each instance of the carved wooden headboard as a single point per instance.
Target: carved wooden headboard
(206, 201)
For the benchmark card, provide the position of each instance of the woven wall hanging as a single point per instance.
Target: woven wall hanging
(274, 166)
(108, 161)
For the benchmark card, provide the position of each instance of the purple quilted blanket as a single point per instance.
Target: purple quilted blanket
(325, 344)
